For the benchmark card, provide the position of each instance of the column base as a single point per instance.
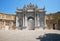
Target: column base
(39, 28)
(18, 28)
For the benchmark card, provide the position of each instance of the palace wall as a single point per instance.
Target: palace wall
(7, 21)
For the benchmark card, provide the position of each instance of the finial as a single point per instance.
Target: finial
(30, 2)
(31, 5)
(24, 6)
(44, 7)
(16, 7)
(36, 6)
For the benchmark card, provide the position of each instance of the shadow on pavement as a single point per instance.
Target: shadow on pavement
(49, 37)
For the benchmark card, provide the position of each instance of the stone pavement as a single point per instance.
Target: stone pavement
(29, 35)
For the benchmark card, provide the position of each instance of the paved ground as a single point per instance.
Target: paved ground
(32, 35)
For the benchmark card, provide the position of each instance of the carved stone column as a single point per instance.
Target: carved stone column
(17, 23)
(38, 20)
(35, 19)
(23, 20)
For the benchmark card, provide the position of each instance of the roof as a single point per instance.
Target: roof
(7, 14)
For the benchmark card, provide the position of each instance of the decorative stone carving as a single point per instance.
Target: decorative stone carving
(31, 11)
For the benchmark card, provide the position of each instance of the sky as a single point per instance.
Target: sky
(9, 6)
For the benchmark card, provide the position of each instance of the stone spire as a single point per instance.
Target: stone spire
(36, 6)
(30, 5)
(24, 6)
(44, 7)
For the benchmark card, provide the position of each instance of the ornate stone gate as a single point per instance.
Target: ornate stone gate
(30, 17)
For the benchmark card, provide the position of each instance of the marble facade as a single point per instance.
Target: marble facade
(30, 17)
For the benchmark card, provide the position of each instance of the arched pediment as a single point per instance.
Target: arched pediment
(30, 6)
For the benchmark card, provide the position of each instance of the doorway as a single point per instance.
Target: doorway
(53, 26)
(31, 23)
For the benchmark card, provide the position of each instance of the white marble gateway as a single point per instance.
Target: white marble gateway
(30, 17)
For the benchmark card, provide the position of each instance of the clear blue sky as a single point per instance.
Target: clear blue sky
(9, 6)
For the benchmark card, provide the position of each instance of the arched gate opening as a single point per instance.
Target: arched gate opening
(31, 23)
